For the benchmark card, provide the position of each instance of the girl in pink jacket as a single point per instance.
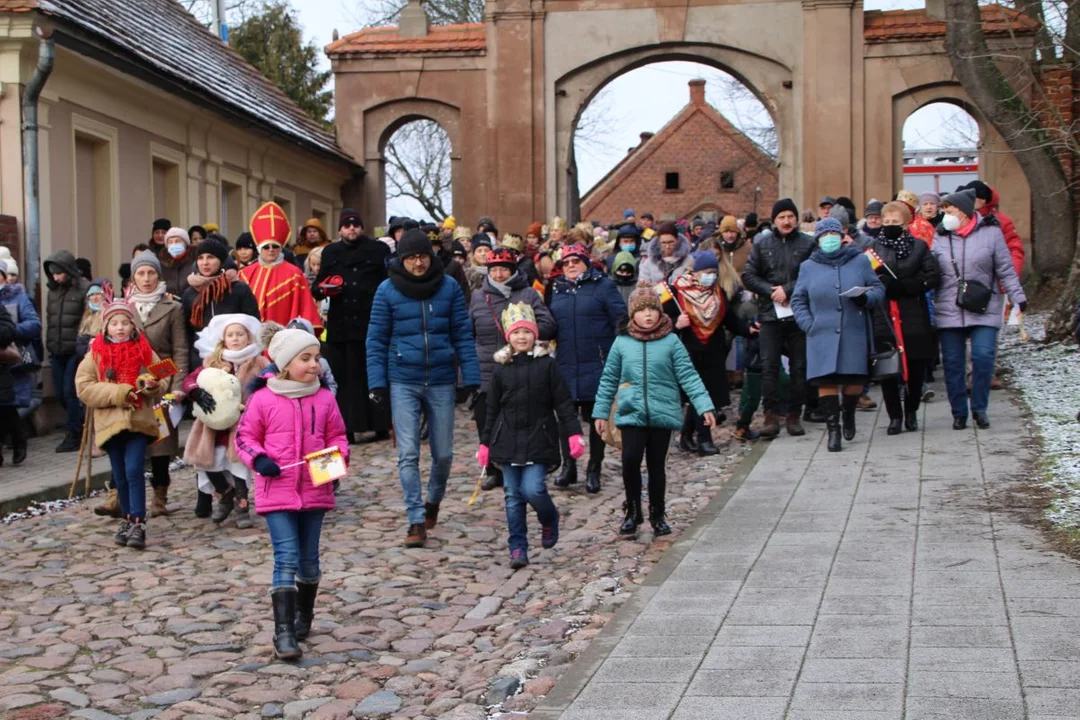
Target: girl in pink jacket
(288, 416)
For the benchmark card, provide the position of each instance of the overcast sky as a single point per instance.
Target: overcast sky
(664, 83)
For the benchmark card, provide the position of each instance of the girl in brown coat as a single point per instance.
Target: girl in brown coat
(113, 382)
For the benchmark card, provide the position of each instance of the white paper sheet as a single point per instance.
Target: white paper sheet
(855, 291)
(782, 311)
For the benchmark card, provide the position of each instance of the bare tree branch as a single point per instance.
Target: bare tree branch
(418, 167)
(372, 13)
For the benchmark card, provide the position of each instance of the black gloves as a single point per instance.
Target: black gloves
(266, 467)
(1022, 306)
(379, 397)
(203, 399)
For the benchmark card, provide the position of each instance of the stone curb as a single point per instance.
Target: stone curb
(577, 676)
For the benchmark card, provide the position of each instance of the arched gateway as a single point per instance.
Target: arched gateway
(838, 82)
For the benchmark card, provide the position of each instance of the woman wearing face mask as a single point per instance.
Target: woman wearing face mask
(701, 306)
(906, 316)
(163, 322)
(177, 261)
(837, 328)
(970, 246)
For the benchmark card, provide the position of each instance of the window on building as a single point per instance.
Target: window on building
(287, 205)
(671, 181)
(232, 210)
(727, 180)
(93, 221)
(166, 179)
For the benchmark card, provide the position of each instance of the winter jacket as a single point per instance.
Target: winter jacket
(915, 274)
(528, 408)
(643, 380)
(485, 312)
(238, 300)
(587, 315)
(1013, 241)
(656, 270)
(166, 331)
(285, 430)
(838, 330)
(737, 255)
(420, 342)
(362, 268)
(64, 304)
(775, 260)
(106, 400)
(7, 336)
(175, 271)
(981, 256)
(27, 333)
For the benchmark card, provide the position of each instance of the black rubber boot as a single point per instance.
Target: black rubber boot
(596, 461)
(830, 405)
(305, 607)
(850, 403)
(284, 601)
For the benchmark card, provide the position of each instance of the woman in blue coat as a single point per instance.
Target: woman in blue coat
(27, 332)
(588, 309)
(838, 329)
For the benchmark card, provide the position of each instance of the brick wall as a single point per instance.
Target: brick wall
(1054, 106)
(699, 144)
(9, 235)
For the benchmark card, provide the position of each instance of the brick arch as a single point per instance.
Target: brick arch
(382, 121)
(765, 77)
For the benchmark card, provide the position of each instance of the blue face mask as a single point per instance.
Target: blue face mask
(177, 249)
(94, 306)
(628, 248)
(707, 279)
(829, 243)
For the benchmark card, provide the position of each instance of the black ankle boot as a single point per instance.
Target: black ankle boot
(204, 504)
(687, 442)
(894, 427)
(850, 403)
(305, 607)
(568, 474)
(592, 478)
(830, 405)
(632, 519)
(658, 522)
(705, 443)
(911, 418)
(284, 601)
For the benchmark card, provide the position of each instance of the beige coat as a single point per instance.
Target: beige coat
(166, 332)
(108, 403)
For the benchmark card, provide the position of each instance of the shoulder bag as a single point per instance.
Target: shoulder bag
(971, 295)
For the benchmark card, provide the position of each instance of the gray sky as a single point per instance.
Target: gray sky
(664, 83)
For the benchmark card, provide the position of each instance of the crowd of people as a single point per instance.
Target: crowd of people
(637, 330)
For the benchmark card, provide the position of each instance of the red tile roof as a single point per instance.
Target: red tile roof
(463, 38)
(18, 5)
(898, 25)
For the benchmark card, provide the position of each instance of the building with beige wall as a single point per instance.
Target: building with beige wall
(147, 114)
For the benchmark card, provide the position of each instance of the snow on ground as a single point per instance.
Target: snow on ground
(1048, 379)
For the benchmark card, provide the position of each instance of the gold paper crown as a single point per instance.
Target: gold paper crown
(517, 312)
(512, 242)
(557, 223)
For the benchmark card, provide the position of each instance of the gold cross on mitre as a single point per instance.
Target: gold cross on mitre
(270, 223)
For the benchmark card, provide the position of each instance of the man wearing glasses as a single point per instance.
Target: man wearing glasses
(279, 287)
(351, 272)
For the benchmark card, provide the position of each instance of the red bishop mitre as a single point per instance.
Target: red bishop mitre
(270, 224)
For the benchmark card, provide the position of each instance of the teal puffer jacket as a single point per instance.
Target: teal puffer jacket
(643, 379)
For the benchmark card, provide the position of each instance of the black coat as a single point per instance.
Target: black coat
(362, 267)
(526, 395)
(710, 358)
(64, 304)
(7, 336)
(775, 260)
(238, 300)
(915, 274)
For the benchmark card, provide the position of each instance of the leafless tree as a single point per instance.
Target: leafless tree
(744, 110)
(235, 10)
(418, 167)
(371, 13)
(595, 128)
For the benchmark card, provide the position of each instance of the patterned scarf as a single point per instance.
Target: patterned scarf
(211, 290)
(902, 245)
(703, 305)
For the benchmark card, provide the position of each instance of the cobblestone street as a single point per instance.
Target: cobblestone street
(183, 629)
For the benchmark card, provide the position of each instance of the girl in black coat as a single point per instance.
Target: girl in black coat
(914, 272)
(521, 434)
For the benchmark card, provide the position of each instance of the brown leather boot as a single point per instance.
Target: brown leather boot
(416, 536)
(794, 424)
(159, 502)
(771, 427)
(431, 515)
(111, 506)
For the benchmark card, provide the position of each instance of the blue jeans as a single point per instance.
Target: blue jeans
(127, 455)
(63, 377)
(954, 361)
(295, 536)
(525, 484)
(405, 404)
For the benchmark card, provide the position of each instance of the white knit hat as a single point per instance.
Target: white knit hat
(178, 232)
(289, 343)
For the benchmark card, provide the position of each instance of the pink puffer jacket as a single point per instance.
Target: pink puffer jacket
(285, 430)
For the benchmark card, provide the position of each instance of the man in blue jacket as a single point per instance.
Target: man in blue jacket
(418, 335)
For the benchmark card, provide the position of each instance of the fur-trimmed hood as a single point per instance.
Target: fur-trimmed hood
(653, 251)
(505, 354)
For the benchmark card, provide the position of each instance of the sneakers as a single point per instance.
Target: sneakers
(137, 536)
(123, 532)
(431, 514)
(745, 434)
(518, 559)
(549, 534)
(866, 403)
(927, 396)
(70, 443)
(416, 536)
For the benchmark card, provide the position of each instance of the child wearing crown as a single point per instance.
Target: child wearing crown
(528, 405)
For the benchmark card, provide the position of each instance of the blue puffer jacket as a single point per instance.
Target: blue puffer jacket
(420, 342)
(587, 316)
(643, 380)
(27, 332)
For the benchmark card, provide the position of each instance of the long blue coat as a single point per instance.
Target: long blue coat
(27, 331)
(838, 330)
(587, 317)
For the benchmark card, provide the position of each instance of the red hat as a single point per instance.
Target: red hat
(577, 249)
(502, 256)
(332, 286)
(270, 224)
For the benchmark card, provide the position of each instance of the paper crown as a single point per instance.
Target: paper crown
(557, 223)
(512, 242)
(517, 315)
(270, 224)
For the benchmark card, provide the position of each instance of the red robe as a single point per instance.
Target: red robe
(282, 292)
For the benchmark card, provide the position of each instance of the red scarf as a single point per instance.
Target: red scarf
(121, 362)
(705, 306)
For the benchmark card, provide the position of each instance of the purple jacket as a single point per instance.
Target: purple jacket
(285, 430)
(982, 256)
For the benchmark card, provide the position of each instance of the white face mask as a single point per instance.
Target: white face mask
(707, 279)
(950, 223)
(177, 249)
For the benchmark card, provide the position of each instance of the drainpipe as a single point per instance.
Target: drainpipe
(31, 207)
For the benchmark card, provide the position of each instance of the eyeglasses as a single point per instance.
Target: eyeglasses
(573, 260)
(415, 258)
(272, 246)
(351, 223)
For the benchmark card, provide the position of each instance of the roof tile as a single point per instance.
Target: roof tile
(898, 25)
(465, 37)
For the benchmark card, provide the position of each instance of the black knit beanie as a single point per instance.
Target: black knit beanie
(784, 204)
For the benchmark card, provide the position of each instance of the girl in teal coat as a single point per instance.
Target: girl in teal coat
(642, 376)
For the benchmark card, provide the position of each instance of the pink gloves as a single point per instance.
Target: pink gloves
(482, 455)
(577, 446)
